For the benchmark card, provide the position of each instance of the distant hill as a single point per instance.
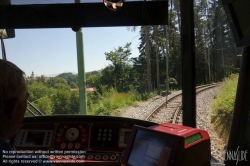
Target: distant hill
(91, 72)
(54, 75)
(71, 78)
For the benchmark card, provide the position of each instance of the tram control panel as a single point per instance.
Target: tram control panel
(88, 138)
(75, 136)
(113, 140)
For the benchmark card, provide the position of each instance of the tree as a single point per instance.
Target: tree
(37, 91)
(62, 102)
(200, 43)
(58, 83)
(120, 63)
(94, 80)
(147, 48)
(72, 79)
(142, 64)
(45, 105)
(222, 49)
(74, 102)
(107, 77)
(157, 57)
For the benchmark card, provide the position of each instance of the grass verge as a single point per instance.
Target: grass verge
(223, 106)
(110, 101)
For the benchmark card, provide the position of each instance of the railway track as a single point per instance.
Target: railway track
(172, 110)
(172, 113)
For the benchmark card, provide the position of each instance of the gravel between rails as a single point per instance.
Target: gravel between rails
(142, 109)
(204, 100)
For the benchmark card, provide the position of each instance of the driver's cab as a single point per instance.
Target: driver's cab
(107, 140)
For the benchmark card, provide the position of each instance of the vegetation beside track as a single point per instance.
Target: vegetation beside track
(106, 102)
(56, 96)
(223, 106)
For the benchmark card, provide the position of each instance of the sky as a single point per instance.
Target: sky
(53, 51)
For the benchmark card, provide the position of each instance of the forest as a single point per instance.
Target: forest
(140, 77)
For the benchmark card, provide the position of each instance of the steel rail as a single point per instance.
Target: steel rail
(177, 110)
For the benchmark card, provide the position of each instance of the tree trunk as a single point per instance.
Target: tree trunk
(157, 58)
(146, 28)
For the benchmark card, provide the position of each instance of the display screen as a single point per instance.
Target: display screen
(35, 138)
(193, 138)
(149, 149)
(242, 14)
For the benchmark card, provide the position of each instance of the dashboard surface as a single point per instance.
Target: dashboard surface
(96, 140)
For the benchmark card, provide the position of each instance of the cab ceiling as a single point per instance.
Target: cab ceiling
(88, 13)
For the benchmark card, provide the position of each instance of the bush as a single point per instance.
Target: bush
(109, 100)
(147, 95)
(135, 95)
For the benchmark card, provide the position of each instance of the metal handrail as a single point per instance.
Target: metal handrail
(29, 103)
(31, 112)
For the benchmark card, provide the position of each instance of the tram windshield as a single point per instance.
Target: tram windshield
(124, 71)
(115, 61)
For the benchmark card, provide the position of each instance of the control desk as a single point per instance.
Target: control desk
(92, 139)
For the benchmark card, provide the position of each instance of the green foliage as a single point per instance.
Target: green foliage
(107, 76)
(87, 74)
(45, 105)
(118, 75)
(52, 96)
(70, 78)
(66, 102)
(147, 95)
(121, 99)
(94, 80)
(135, 95)
(74, 102)
(173, 84)
(61, 102)
(127, 79)
(58, 83)
(37, 91)
(223, 105)
(215, 52)
(102, 109)
(73, 85)
(108, 100)
(119, 55)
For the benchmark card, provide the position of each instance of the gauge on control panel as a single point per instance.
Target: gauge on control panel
(72, 134)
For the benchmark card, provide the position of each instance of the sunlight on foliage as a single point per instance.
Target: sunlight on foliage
(105, 102)
(223, 106)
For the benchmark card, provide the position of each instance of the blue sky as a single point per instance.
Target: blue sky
(53, 51)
